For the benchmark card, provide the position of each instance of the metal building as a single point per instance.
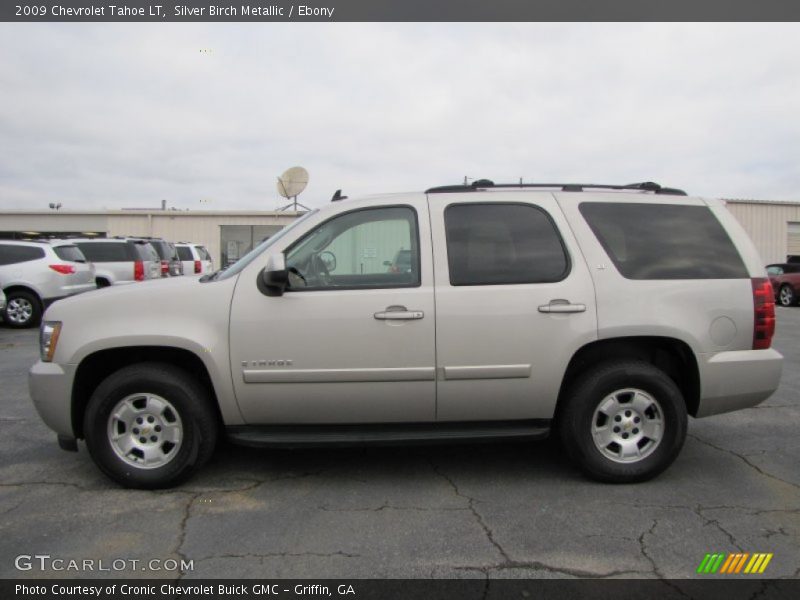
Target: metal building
(226, 234)
(773, 226)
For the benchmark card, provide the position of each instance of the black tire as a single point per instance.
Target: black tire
(786, 295)
(191, 402)
(101, 283)
(14, 317)
(577, 417)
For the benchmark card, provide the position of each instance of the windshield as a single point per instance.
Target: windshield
(240, 264)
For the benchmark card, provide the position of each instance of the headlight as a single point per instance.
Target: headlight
(48, 339)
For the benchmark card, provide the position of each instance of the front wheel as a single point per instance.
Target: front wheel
(786, 296)
(150, 425)
(23, 309)
(623, 421)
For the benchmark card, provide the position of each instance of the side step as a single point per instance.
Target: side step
(295, 436)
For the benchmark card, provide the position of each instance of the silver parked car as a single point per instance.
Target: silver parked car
(171, 265)
(606, 314)
(36, 274)
(195, 258)
(121, 260)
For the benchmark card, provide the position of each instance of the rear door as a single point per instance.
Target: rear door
(514, 301)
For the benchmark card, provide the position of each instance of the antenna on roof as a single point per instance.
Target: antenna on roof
(290, 184)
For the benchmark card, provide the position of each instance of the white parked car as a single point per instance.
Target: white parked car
(36, 274)
(195, 258)
(121, 260)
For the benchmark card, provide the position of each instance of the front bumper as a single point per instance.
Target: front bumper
(50, 387)
(735, 380)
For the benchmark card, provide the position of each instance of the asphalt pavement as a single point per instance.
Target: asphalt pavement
(492, 510)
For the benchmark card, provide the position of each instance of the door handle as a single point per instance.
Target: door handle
(398, 313)
(562, 306)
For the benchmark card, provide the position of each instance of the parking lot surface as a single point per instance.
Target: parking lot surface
(500, 511)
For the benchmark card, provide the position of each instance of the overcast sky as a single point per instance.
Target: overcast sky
(125, 115)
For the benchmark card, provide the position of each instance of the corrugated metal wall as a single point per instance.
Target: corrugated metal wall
(767, 225)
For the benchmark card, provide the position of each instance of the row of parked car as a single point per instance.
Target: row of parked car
(36, 273)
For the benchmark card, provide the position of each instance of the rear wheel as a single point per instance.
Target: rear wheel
(23, 309)
(623, 421)
(786, 295)
(150, 425)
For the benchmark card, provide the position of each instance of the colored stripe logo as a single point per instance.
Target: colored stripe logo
(734, 564)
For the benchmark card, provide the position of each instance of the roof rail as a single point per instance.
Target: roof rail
(482, 184)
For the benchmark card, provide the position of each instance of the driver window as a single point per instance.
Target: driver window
(374, 248)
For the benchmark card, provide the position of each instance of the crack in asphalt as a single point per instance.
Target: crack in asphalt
(744, 459)
(178, 548)
(509, 563)
(698, 510)
(471, 505)
(651, 560)
(16, 484)
(383, 507)
(281, 555)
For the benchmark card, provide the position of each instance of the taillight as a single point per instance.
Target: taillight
(165, 267)
(138, 270)
(63, 269)
(198, 268)
(763, 313)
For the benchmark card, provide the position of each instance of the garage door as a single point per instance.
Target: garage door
(793, 240)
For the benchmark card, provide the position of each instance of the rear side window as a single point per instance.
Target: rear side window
(203, 252)
(663, 241)
(11, 254)
(105, 251)
(184, 252)
(145, 251)
(69, 253)
(494, 244)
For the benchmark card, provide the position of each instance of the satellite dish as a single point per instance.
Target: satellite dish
(291, 184)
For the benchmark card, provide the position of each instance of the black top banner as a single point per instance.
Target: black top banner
(398, 10)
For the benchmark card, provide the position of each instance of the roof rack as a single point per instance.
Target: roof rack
(481, 184)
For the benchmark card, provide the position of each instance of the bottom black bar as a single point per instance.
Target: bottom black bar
(403, 589)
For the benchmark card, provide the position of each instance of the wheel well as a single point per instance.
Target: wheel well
(672, 356)
(21, 288)
(96, 367)
(102, 281)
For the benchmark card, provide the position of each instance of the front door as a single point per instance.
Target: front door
(352, 339)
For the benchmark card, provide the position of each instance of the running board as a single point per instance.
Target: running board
(294, 436)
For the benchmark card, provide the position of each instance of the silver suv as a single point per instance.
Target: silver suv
(606, 314)
(121, 260)
(36, 274)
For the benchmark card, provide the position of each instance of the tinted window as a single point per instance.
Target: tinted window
(184, 252)
(352, 250)
(663, 241)
(203, 252)
(145, 251)
(105, 251)
(492, 244)
(70, 253)
(11, 254)
(162, 249)
(775, 270)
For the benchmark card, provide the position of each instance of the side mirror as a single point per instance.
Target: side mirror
(274, 278)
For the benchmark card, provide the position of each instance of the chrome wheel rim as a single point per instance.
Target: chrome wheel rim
(145, 431)
(786, 296)
(628, 425)
(19, 310)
